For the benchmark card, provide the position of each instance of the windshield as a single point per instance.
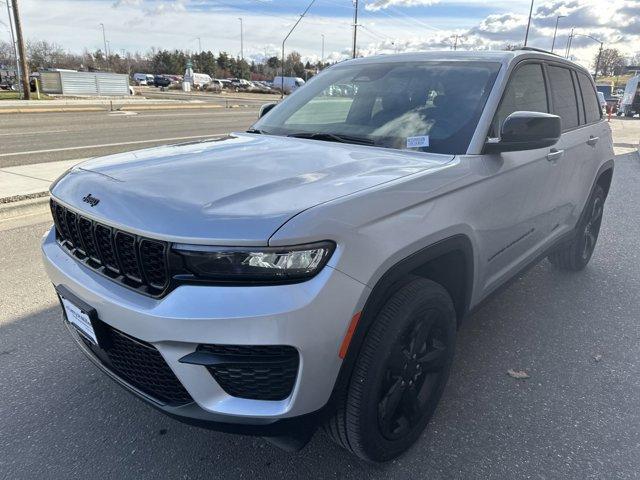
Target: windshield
(424, 106)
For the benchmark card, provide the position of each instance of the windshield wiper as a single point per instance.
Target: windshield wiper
(255, 130)
(333, 137)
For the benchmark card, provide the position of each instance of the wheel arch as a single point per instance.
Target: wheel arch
(604, 177)
(449, 262)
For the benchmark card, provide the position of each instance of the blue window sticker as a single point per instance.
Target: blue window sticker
(417, 142)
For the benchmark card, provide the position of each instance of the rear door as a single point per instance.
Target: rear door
(581, 132)
(597, 136)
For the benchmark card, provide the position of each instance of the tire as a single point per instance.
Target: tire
(575, 255)
(379, 414)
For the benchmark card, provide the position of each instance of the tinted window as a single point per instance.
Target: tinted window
(525, 92)
(591, 104)
(424, 106)
(564, 96)
(580, 104)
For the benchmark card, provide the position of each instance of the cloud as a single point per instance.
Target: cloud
(375, 5)
(138, 25)
(122, 3)
(151, 8)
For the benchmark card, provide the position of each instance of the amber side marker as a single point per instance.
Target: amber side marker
(349, 335)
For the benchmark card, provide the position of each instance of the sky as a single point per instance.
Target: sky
(385, 26)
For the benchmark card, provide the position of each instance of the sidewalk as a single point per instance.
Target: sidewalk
(104, 104)
(31, 180)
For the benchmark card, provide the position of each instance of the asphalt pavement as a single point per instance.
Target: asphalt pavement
(576, 417)
(47, 137)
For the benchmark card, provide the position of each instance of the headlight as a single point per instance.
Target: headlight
(254, 264)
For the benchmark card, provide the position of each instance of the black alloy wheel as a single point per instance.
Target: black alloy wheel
(575, 255)
(412, 374)
(400, 372)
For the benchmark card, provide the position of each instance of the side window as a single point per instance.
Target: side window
(576, 85)
(525, 92)
(564, 96)
(591, 104)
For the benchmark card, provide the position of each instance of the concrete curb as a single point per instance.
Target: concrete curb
(126, 107)
(22, 208)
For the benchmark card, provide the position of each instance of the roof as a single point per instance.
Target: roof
(501, 56)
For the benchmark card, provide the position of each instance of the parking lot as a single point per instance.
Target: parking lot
(577, 336)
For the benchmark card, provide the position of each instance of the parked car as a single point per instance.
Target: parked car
(314, 270)
(215, 85)
(288, 84)
(240, 84)
(602, 100)
(143, 78)
(161, 81)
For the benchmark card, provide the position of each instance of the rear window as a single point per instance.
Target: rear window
(591, 104)
(564, 96)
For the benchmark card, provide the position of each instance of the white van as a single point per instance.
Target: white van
(287, 84)
(201, 80)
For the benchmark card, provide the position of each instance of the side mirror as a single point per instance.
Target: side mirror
(266, 108)
(526, 131)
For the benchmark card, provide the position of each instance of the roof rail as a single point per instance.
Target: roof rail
(541, 50)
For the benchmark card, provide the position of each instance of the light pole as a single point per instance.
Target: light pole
(355, 28)
(24, 72)
(13, 43)
(567, 49)
(241, 40)
(104, 40)
(595, 74)
(555, 32)
(285, 39)
(322, 57)
(526, 35)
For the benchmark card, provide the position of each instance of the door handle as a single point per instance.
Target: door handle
(554, 155)
(593, 140)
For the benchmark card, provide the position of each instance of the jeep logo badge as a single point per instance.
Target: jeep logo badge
(93, 201)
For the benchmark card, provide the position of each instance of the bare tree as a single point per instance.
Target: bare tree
(611, 61)
(6, 54)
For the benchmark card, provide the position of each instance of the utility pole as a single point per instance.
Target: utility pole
(283, 42)
(555, 32)
(595, 74)
(13, 42)
(24, 72)
(567, 50)
(355, 28)
(526, 35)
(241, 40)
(455, 42)
(104, 40)
(322, 57)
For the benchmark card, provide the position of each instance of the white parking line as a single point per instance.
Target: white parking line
(84, 147)
(37, 132)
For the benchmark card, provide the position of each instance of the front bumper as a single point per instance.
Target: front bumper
(312, 317)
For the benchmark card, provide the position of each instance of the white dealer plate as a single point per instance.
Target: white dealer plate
(79, 319)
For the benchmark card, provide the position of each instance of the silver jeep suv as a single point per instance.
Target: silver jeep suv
(314, 269)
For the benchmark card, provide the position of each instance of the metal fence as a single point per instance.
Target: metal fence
(85, 83)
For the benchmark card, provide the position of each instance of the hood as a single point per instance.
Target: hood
(236, 190)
